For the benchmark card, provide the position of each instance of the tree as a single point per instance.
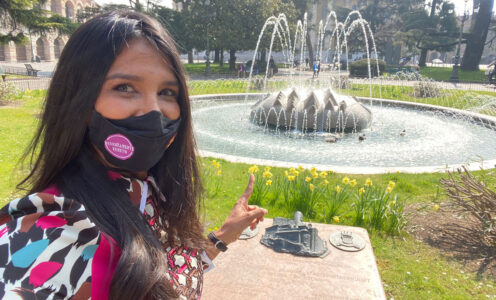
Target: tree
(184, 28)
(302, 7)
(476, 39)
(385, 19)
(27, 15)
(434, 31)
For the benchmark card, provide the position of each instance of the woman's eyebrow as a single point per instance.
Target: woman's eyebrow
(123, 76)
(137, 78)
(171, 82)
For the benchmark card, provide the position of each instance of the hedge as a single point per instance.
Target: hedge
(359, 68)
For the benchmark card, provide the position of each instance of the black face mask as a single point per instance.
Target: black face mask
(135, 143)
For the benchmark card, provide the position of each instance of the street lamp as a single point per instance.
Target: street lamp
(207, 52)
(454, 74)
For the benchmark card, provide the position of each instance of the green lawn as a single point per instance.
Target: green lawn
(409, 269)
(444, 73)
(215, 68)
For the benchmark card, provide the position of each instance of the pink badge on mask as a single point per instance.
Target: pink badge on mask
(119, 146)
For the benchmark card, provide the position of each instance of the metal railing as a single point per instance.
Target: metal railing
(31, 84)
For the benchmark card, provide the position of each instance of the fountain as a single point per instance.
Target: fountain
(311, 110)
(289, 120)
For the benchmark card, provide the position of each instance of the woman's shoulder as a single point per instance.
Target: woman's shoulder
(40, 204)
(47, 244)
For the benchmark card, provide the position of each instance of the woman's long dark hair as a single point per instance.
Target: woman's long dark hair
(60, 153)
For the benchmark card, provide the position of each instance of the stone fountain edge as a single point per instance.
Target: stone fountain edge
(472, 166)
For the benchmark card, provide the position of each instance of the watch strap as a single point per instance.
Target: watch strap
(219, 244)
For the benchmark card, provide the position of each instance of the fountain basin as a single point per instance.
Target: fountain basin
(437, 138)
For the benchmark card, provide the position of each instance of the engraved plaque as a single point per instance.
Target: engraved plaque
(347, 241)
(248, 233)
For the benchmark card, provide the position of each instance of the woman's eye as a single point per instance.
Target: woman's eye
(126, 88)
(168, 92)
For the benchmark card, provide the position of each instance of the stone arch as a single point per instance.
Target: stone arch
(58, 45)
(69, 10)
(21, 52)
(42, 48)
(3, 52)
(56, 6)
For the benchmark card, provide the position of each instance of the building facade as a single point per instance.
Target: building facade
(49, 46)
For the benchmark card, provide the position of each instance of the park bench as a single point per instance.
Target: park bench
(31, 70)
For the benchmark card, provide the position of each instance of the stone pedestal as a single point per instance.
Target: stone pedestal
(249, 270)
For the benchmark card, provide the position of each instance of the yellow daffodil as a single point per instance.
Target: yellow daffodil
(291, 178)
(308, 179)
(300, 168)
(296, 173)
(388, 190)
(267, 174)
(391, 184)
(313, 170)
(214, 162)
(336, 219)
(217, 165)
(346, 180)
(398, 172)
(361, 191)
(315, 175)
(267, 168)
(325, 182)
(219, 173)
(368, 182)
(292, 170)
(253, 169)
(216, 228)
(323, 174)
(286, 173)
(311, 186)
(393, 203)
(338, 189)
(268, 182)
(330, 172)
(435, 207)
(353, 182)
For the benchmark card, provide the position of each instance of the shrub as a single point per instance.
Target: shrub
(8, 91)
(341, 82)
(359, 68)
(426, 89)
(470, 194)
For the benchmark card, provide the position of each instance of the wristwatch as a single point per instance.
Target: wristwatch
(218, 243)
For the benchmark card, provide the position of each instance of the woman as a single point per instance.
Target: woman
(112, 210)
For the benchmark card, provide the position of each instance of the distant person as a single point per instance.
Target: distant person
(255, 68)
(38, 59)
(492, 71)
(306, 62)
(315, 69)
(271, 66)
(241, 70)
(318, 67)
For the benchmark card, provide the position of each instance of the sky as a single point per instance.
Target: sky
(459, 4)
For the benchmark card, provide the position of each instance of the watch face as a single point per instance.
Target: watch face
(221, 246)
